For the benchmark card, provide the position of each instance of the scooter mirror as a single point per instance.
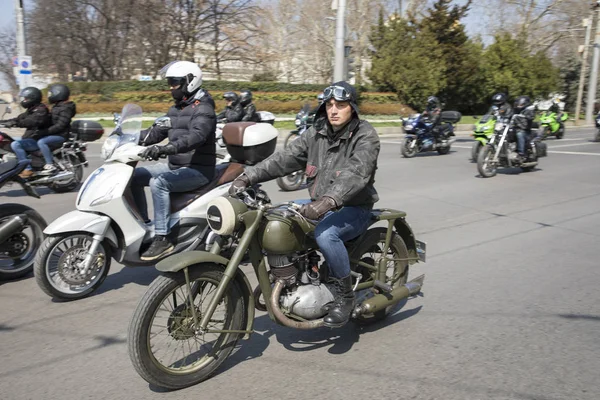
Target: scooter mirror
(163, 122)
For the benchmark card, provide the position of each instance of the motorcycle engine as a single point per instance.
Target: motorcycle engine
(305, 294)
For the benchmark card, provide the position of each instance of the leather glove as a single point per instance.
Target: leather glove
(239, 184)
(155, 152)
(9, 123)
(316, 209)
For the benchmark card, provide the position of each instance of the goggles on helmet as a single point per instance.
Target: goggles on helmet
(337, 92)
(174, 82)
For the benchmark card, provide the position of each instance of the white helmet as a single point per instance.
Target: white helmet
(184, 73)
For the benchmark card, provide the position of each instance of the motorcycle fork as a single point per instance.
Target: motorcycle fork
(251, 219)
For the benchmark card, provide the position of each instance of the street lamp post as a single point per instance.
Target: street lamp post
(338, 70)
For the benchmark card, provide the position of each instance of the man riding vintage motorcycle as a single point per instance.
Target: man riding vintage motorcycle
(339, 153)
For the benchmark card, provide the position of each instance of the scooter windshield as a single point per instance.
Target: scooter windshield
(130, 124)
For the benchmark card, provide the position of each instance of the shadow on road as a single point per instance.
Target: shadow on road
(139, 275)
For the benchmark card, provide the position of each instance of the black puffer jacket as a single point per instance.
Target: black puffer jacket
(62, 114)
(250, 113)
(192, 132)
(524, 120)
(36, 119)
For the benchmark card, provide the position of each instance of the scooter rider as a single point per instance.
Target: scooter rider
(339, 153)
(249, 109)
(62, 113)
(233, 111)
(190, 151)
(34, 119)
(524, 114)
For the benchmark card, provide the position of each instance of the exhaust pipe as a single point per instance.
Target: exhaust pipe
(50, 179)
(383, 300)
(13, 225)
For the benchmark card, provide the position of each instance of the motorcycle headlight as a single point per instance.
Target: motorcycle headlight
(297, 122)
(110, 144)
(499, 126)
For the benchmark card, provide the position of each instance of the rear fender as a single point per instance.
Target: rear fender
(180, 261)
(406, 233)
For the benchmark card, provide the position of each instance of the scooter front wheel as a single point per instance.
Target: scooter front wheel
(58, 266)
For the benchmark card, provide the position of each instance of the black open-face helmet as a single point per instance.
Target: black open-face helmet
(30, 97)
(498, 99)
(58, 92)
(245, 97)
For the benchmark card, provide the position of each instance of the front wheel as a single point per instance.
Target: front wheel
(409, 148)
(165, 346)
(17, 253)
(370, 251)
(57, 267)
(72, 164)
(486, 167)
(475, 149)
(597, 137)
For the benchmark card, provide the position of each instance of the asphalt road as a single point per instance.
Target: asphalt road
(510, 308)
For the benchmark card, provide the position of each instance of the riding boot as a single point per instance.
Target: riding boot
(343, 304)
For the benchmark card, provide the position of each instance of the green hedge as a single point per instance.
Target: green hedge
(107, 88)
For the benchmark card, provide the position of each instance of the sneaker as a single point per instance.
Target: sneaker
(160, 246)
(49, 169)
(26, 173)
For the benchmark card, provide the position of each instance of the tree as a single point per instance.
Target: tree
(8, 49)
(406, 61)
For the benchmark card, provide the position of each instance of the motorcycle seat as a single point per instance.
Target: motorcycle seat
(224, 173)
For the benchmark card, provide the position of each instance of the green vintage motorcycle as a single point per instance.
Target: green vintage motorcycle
(550, 125)
(192, 316)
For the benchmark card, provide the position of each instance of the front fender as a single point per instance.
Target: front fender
(180, 261)
(79, 221)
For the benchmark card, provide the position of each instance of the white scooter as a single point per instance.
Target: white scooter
(75, 258)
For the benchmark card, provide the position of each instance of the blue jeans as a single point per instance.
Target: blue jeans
(522, 137)
(162, 181)
(22, 146)
(43, 144)
(335, 229)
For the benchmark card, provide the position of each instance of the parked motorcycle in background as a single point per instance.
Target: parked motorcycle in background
(75, 258)
(304, 120)
(69, 157)
(21, 227)
(597, 136)
(420, 138)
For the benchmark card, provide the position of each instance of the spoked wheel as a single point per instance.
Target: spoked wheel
(409, 149)
(58, 266)
(370, 251)
(166, 346)
(486, 167)
(18, 251)
(71, 164)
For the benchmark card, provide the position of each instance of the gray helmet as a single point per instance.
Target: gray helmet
(231, 96)
(58, 92)
(30, 97)
(245, 97)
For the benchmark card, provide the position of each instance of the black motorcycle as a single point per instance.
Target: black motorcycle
(421, 138)
(21, 227)
(69, 156)
(304, 120)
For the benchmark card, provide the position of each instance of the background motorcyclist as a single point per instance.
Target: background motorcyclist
(249, 109)
(555, 108)
(233, 111)
(35, 119)
(62, 113)
(339, 154)
(432, 115)
(524, 114)
(500, 100)
(190, 151)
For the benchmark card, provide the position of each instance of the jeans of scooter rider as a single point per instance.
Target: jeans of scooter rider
(46, 141)
(22, 146)
(162, 181)
(336, 228)
(522, 137)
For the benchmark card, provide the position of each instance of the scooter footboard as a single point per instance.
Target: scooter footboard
(78, 221)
